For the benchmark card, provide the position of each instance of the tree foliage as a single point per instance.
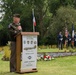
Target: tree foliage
(51, 17)
(65, 17)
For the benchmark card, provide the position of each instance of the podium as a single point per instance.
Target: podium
(26, 52)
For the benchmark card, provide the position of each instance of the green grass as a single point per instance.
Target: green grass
(52, 50)
(58, 66)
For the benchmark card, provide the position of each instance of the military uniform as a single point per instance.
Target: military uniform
(69, 40)
(75, 40)
(60, 41)
(13, 29)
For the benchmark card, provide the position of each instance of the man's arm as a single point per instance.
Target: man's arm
(12, 29)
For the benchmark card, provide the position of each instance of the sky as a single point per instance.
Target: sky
(0, 14)
(0, 9)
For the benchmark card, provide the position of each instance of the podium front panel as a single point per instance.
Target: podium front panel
(29, 52)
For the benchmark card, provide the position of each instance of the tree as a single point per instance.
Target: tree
(24, 7)
(65, 17)
(48, 14)
(43, 15)
(54, 5)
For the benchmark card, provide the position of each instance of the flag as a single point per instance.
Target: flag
(66, 32)
(72, 31)
(72, 35)
(66, 36)
(34, 21)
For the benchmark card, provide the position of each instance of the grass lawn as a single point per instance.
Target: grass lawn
(52, 50)
(6, 48)
(58, 66)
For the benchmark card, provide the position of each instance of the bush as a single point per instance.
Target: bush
(7, 53)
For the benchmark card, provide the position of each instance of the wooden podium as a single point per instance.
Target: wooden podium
(26, 52)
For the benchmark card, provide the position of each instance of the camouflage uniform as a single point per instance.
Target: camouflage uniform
(13, 29)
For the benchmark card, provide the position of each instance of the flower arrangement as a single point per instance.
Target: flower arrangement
(45, 57)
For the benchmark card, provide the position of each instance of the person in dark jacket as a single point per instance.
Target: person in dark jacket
(60, 41)
(69, 40)
(75, 39)
(14, 29)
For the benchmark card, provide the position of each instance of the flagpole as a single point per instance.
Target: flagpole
(33, 23)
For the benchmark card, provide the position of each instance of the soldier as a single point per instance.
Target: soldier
(14, 29)
(69, 39)
(75, 39)
(60, 41)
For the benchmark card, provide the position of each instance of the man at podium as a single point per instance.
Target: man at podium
(14, 29)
